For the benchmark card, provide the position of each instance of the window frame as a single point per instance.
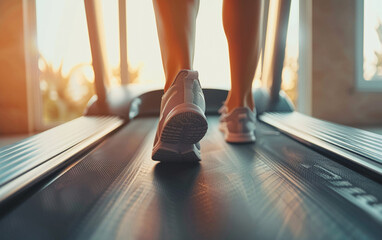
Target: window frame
(35, 107)
(305, 59)
(375, 84)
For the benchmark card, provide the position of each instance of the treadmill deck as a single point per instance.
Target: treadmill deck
(274, 189)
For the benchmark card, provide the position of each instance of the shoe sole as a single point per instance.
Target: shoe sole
(184, 126)
(237, 137)
(240, 138)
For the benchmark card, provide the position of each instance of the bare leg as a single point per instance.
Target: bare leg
(241, 20)
(176, 30)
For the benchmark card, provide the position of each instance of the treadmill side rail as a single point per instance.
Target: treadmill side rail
(30, 160)
(361, 147)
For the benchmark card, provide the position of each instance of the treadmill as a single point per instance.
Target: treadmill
(93, 177)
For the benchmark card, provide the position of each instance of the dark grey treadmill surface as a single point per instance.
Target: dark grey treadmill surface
(274, 189)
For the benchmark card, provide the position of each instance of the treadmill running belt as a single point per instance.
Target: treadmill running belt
(274, 189)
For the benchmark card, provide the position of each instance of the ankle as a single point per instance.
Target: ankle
(233, 102)
(172, 75)
(167, 86)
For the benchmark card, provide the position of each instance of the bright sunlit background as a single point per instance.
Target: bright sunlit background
(65, 63)
(372, 40)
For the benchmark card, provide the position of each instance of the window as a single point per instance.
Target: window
(290, 70)
(65, 72)
(369, 45)
(211, 53)
(66, 76)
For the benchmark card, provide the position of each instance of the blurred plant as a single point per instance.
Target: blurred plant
(133, 75)
(373, 67)
(65, 97)
(377, 53)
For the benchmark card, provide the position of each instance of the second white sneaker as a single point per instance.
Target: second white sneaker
(238, 126)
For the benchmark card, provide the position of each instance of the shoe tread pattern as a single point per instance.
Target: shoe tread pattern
(186, 127)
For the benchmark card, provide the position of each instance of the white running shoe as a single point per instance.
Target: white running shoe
(238, 126)
(182, 122)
